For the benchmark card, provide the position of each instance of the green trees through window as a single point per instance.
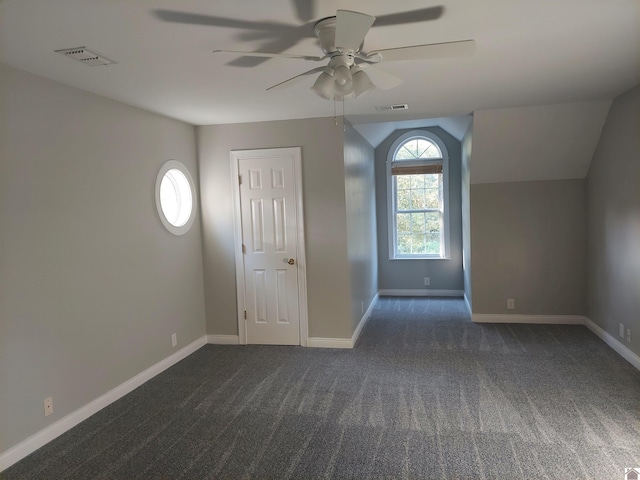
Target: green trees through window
(418, 223)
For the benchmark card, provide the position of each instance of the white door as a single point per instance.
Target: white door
(270, 231)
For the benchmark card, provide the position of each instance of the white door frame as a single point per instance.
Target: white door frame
(235, 156)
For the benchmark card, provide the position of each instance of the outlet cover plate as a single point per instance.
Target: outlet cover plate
(48, 406)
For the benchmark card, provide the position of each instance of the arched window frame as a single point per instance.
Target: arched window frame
(391, 195)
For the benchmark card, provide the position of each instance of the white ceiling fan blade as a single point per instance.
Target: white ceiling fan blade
(351, 28)
(272, 55)
(462, 48)
(380, 78)
(296, 79)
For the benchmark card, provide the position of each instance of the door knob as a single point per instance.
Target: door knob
(291, 261)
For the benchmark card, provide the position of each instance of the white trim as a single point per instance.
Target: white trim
(537, 319)
(614, 343)
(468, 304)
(363, 320)
(320, 342)
(239, 257)
(47, 434)
(223, 339)
(296, 154)
(419, 293)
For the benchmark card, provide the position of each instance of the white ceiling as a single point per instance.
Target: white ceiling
(528, 53)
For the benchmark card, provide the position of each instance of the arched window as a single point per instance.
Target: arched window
(417, 168)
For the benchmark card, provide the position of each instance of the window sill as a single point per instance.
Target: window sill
(419, 258)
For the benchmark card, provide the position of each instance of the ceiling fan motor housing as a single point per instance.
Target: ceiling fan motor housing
(325, 30)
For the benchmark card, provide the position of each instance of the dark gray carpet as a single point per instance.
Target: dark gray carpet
(425, 394)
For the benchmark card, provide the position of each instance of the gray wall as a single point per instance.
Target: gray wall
(323, 179)
(467, 144)
(528, 243)
(613, 198)
(91, 284)
(361, 222)
(409, 274)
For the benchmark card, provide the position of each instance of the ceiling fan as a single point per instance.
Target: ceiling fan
(341, 39)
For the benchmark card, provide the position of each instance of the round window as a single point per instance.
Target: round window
(175, 197)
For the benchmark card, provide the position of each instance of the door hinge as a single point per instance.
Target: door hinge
(245, 314)
(239, 179)
(244, 249)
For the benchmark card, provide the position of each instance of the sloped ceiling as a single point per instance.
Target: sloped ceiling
(536, 143)
(375, 133)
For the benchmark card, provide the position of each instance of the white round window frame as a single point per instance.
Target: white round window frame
(166, 167)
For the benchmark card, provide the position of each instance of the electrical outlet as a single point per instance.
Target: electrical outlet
(511, 303)
(427, 281)
(621, 330)
(174, 339)
(629, 335)
(48, 406)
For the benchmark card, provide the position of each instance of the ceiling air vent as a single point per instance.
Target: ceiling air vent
(398, 106)
(86, 56)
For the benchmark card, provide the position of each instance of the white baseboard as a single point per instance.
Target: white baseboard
(44, 436)
(223, 339)
(398, 292)
(518, 318)
(363, 321)
(614, 343)
(320, 342)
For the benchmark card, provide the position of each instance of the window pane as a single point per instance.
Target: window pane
(418, 200)
(432, 198)
(412, 146)
(404, 153)
(418, 244)
(404, 244)
(404, 199)
(432, 243)
(418, 224)
(433, 180)
(432, 222)
(403, 182)
(403, 223)
(417, 181)
(432, 151)
(415, 148)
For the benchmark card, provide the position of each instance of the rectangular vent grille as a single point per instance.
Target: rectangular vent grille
(86, 56)
(398, 106)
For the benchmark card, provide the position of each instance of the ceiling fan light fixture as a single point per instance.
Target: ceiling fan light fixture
(342, 77)
(361, 82)
(324, 86)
